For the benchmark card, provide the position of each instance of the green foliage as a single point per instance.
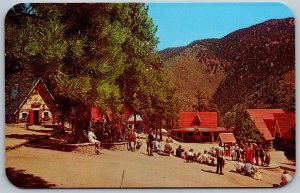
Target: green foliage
(90, 54)
(260, 70)
(243, 128)
(250, 68)
(202, 102)
(74, 88)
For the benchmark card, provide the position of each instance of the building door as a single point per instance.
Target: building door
(277, 142)
(31, 120)
(36, 117)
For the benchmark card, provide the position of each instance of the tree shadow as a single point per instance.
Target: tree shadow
(287, 168)
(24, 136)
(290, 164)
(22, 180)
(41, 130)
(56, 142)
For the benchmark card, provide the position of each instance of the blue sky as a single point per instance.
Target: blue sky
(181, 23)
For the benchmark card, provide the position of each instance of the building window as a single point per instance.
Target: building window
(46, 114)
(205, 134)
(24, 115)
(190, 134)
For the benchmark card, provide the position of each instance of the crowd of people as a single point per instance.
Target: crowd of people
(153, 145)
(251, 152)
(108, 132)
(247, 169)
(247, 157)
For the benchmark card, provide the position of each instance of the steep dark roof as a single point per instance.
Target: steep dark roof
(286, 122)
(259, 115)
(207, 119)
(271, 125)
(13, 102)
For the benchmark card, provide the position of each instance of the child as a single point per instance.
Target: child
(268, 158)
(138, 143)
(256, 174)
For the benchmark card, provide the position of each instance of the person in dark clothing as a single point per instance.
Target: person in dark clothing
(178, 151)
(220, 159)
(256, 154)
(261, 155)
(150, 141)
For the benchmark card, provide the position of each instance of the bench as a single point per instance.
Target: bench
(121, 146)
(82, 147)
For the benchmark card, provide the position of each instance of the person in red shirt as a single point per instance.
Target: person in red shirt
(131, 138)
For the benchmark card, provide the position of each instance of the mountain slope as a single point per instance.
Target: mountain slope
(189, 75)
(252, 68)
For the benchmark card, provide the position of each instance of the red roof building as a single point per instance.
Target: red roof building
(197, 127)
(285, 122)
(271, 125)
(274, 124)
(227, 138)
(132, 120)
(259, 116)
(191, 119)
(97, 114)
(31, 104)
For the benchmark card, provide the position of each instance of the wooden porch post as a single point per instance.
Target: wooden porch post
(212, 137)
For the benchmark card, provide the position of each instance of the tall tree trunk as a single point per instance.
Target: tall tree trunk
(63, 122)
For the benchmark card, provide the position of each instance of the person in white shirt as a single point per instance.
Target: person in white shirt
(285, 178)
(190, 156)
(204, 157)
(93, 139)
(156, 146)
(239, 167)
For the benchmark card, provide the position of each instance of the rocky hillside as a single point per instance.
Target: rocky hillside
(190, 75)
(253, 67)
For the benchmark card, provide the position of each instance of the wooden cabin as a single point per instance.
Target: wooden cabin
(34, 105)
(285, 126)
(136, 122)
(132, 120)
(197, 127)
(275, 125)
(227, 139)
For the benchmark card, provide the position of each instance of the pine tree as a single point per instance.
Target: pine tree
(243, 128)
(90, 54)
(202, 102)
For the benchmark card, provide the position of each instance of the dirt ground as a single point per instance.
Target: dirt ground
(40, 166)
(17, 135)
